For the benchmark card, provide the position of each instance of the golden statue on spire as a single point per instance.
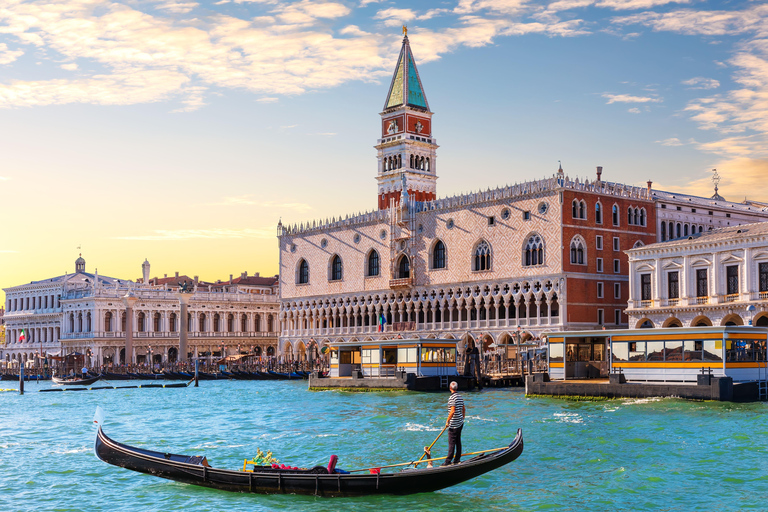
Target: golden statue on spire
(405, 30)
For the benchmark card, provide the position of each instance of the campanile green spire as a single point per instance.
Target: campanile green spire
(406, 88)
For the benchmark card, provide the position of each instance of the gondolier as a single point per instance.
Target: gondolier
(455, 424)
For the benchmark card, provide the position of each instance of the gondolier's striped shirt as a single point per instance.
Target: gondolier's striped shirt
(456, 401)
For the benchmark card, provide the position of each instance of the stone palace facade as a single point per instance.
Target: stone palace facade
(717, 277)
(85, 312)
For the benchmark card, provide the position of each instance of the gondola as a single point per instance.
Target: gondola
(318, 481)
(75, 381)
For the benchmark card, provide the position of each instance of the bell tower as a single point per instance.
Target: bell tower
(407, 150)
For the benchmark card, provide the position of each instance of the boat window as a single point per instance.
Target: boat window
(637, 351)
(655, 350)
(713, 350)
(571, 352)
(345, 358)
(674, 351)
(556, 352)
(620, 351)
(334, 357)
(370, 356)
(390, 356)
(450, 355)
(406, 355)
(692, 350)
(437, 355)
(745, 350)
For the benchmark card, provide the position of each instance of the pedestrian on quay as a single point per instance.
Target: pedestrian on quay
(454, 423)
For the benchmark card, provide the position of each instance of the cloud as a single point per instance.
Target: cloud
(672, 141)
(702, 83)
(616, 5)
(393, 16)
(627, 98)
(71, 66)
(268, 99)
(633, 110)
(178, 7)
(740, 178)
(253, 200)
(194, 234)
(499, 6)
(7, 56)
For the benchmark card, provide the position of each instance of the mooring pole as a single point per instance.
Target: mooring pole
(197, 364)
(21, 379)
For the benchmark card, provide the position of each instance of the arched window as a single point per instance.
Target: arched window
(373, 263)
(575, 212)
(637, 217)
(201, 324)
(639, 243)
(156, 322)
(243, 323)
(533, 253)
(216, 322)
(629, 216)
(578, 248)
(482, 256)
(108, 321)
(142, 317)
(403, 267)
(427, 168)
(303, 273)
(701, 229)
(598, 213)
(685, 230)
(663, 231)
(582, 210)
(438, 255)
(336, 268)
(411, 161)
(172, 322)
(615, 215)
(642, 217)
(679, 230)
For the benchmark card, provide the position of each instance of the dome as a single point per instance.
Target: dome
(80, 264)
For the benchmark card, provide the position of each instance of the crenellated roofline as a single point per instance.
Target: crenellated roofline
(517, 191)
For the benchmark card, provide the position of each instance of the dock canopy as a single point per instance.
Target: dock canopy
(382, 358)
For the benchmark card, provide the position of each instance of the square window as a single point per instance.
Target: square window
(616, 290)
(710, 212)
(728, 215)
(599, 290)
(664, 207)
(616, 268)
(615, 243)
(599, 242)
(600, 316)
(617, 316)
(693, 210)
(527, 215)
(599, 264)
(491, 220)
(679, 208)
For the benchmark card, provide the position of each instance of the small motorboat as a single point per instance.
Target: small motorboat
(75, 381)
(318, 481)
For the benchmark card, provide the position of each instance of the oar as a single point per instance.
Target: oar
(433, 443)
(426, 460)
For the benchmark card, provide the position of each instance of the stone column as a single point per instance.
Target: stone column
(184, 299)
(129, 300)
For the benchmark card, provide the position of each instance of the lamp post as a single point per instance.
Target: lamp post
(149, 350)
(518, 339)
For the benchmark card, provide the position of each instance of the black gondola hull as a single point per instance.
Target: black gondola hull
(75, 382)
(263, 481)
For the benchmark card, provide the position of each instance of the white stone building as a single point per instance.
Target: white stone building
(717, 277)
(680, 215)
(85, 312)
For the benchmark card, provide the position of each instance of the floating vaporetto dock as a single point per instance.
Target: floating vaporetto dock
(714, 363)
(422, 364)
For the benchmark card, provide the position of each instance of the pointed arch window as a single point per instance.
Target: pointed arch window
(373, 264)
(575, 209)
(303, 272)
(663, 231)
(582, 210)
(642, 217)
(629, 216)
(482, 256)
(438, 255)
(578, 248)
(336, 268)
(533, 253)
(598, 213)
(403, 267)
(615, 215)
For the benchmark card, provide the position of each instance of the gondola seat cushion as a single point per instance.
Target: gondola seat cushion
(332, 464)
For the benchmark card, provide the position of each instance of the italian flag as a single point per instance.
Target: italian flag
(22, 336)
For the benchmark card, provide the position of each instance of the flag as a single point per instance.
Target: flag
(22, 336)
(382, 321)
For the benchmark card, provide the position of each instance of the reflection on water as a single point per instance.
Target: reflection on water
(624, 454)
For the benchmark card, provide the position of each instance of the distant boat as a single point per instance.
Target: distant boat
(75, 381)
(318, 481)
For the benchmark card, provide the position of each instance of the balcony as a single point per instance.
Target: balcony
(646, 303)
(405, 282)
(762, 295)
(702, 300)
(731, 297)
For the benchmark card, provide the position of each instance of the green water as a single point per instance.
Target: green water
(614, 455)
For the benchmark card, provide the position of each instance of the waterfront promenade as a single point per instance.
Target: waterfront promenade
(665, 454)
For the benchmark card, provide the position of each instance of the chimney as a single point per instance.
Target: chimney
(230, 278)
(650, 184)
(244, 275)
(196, 279)
(165, 276)
(599, 172)
(255, 274)
(177, 274)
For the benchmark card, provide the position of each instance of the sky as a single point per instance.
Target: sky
(181, 131)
